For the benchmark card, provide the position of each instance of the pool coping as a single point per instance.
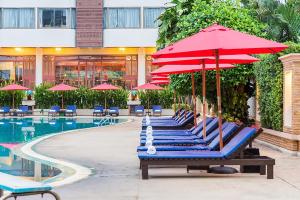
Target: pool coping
(70, 172)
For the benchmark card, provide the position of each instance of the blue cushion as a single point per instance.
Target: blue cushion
(180, 155)
(17, 185)
(174, 142)
(176, 148)
(240, 139)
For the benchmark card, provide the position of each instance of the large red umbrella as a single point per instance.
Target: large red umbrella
(104, 87)
(218, 40)
(148, 86)
(14, 87)
(159, 78)
(235, 59)
(62, 88)
(160, 82)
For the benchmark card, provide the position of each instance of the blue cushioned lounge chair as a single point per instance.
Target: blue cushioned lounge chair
(139, 110)
(177, 132)
(211, 142)
(71, 110)
(231, 154)
(54, 110)
(114, 111)
(5, 110)
(177, 118)
(22, 111)
(98, 111)
(167, 118)
(156, 110)
(22, 187)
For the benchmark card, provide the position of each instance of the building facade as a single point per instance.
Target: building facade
(78, 42)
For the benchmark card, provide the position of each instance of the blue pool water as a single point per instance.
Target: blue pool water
(14, 131)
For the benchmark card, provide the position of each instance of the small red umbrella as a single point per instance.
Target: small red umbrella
(14, 87)
(148, 86)
(62, 88)
(159, 78)
(160, 82)
(216, 41)
(105, 87)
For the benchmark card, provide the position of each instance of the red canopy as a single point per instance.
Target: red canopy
(62, 87)
(225, 59)
(14, 87)
(178, 69)
(148, 86)
(223, 39)
(105, 86)
(162, 82)
(159, 78)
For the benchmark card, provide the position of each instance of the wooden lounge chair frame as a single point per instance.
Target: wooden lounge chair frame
(16, 195)
(237, 158)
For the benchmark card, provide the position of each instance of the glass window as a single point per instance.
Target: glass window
(17, 18)
(151, 17)
(57, 18)
(121, 18)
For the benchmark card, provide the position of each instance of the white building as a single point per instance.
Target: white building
(83, 42)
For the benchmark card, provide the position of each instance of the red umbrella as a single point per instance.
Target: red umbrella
(159, 78)
(148, 86)
(62, 87)
(218, 40)
(14, 87)
(103, 87)
(226, 59)
(160, 82)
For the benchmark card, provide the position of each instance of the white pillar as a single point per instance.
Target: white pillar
(141, 66)
(38, 66)
(37, 171)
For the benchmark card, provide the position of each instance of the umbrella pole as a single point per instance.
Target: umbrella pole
(185, 107)
(204, 98)
(194, 99)
(13, 100)
(148, 104)
(218, 77)
(174, 98)
(179, 106)
(105, 103)
(62, 100)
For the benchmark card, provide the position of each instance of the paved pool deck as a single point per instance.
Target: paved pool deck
(111, 153)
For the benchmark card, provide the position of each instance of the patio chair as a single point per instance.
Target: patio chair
(183, 140)
(175, 125)
(114, 111)
(22, 111)
(156, 110)
(183, 116)
(139, 110)
(53, 111)
(19, 187)
(98, 111)
(5, 110)
(177, 117)
(231, 154)
(211, 142)
(71, 110)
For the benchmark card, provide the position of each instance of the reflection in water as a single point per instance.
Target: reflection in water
(14, 131)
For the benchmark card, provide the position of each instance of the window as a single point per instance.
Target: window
(151, 17)
(57, 18)
(121, 18)
(17, 18)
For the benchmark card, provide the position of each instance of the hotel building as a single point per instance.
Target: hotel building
(78, 42)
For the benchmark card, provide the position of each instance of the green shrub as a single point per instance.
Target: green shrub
(165, 98)
(7, 96)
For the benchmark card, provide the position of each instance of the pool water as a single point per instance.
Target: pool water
(15, 131)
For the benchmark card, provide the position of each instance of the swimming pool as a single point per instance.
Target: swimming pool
(15, 131)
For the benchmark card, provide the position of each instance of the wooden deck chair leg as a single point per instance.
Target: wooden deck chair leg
(270, 171)
(262, 170)
(145, 175)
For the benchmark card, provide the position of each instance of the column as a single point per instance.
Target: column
(38, 66)
(37, 171)
(291, 95)
(141, 66)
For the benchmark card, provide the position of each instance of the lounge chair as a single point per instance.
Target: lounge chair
(167, 118)
(156, 110)
(54, 110)
(22, 111)
(183, 140)
(189, 119)
(211, 142)
(5, 110)
(178, 117)
(71, 110)
(98, 111)
(139, 110)
(21, 187)
(231, 154)
(114, 111)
